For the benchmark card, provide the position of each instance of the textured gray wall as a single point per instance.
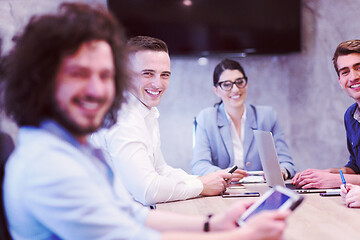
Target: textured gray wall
(302, 87)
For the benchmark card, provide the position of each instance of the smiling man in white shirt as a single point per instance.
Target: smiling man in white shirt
(133, 144)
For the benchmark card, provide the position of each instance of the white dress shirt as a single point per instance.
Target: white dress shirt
(238, 141)
(133, 147)
(357, 114)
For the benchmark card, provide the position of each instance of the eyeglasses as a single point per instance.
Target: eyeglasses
(228, 85)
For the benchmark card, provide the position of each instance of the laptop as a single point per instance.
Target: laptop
(270, 163)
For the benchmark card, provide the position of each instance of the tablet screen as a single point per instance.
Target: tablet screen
(274, 201)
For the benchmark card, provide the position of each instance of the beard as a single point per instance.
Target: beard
(62, 118)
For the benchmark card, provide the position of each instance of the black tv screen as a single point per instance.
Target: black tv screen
(210, 27)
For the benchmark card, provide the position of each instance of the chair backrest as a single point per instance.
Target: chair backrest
(194, 130)
(6, 148)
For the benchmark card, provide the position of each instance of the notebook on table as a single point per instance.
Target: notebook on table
(253, 177)
(270, 163)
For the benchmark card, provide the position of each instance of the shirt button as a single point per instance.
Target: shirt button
(248, 164)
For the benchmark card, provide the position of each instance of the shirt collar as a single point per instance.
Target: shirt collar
(56, 129)
(243, 117)
(89, 150)
(144, 111)
(357, 114)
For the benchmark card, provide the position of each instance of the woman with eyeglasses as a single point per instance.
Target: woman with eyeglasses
(224, 133)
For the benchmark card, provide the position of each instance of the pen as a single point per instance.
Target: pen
(342, 178)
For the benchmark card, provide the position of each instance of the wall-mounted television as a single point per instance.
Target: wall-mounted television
(213, 27)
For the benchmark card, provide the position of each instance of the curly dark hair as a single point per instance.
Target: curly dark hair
(32, 65)
(1, 79)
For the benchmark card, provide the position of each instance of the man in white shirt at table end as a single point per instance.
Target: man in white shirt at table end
(132, 145)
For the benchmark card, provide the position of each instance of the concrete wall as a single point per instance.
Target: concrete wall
(302, 87)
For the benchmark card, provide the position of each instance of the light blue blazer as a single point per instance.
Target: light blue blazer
(214, 149)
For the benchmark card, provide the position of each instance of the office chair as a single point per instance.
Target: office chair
(194, 131)
(6, 148)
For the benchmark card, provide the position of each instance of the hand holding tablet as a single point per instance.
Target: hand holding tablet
(276, 198)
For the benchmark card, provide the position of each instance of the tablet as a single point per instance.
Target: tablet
(276, 198)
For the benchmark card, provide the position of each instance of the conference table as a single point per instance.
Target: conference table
(316, 218)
